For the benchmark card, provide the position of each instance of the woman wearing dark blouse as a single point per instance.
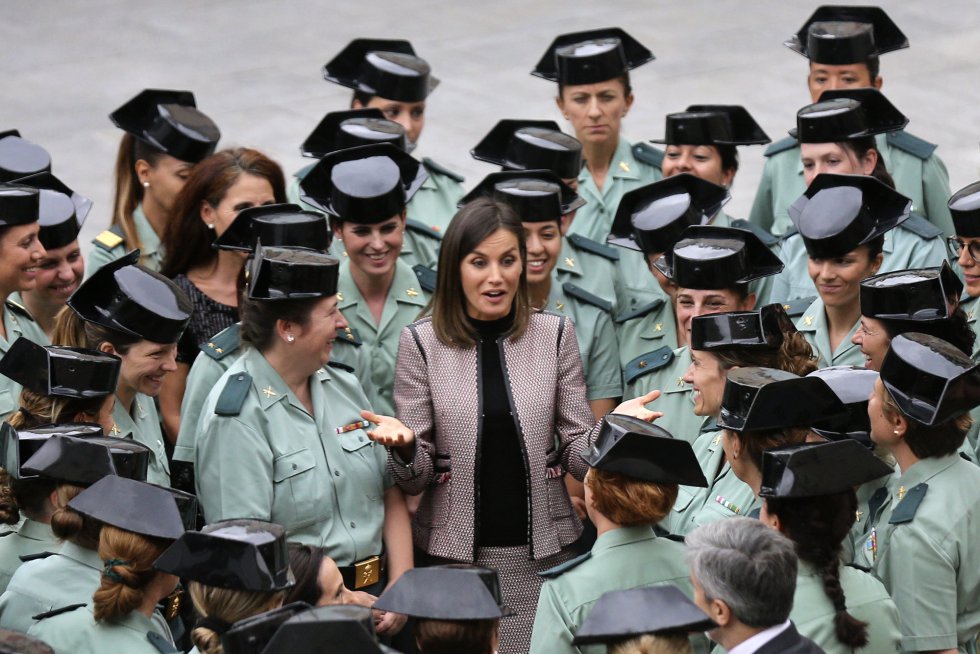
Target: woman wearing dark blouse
(218, 188)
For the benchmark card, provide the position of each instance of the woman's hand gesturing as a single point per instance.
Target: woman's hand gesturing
(390, 432)
(637, 407)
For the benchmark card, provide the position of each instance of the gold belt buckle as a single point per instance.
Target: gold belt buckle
(367, 572)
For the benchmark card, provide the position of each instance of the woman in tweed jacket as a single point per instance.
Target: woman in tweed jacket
(493, 402)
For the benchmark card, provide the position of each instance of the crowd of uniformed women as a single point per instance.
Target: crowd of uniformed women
(364, 409)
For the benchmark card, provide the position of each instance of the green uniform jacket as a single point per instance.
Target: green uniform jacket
(30, 538)
(589, 265)
(726, 496)
(261, 455)
(143, 426)
(904, 249)
(923, 548)
(867, 600)
(17, 322)
(645, 330)
(379, 340)
(109, 245)
(77, 632)
(66, 578)
(918, 174)
(871, 496)
(813, 325)
(621, 559)
(664, 370)
(595, 335)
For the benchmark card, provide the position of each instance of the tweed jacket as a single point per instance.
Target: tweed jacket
(438, 395)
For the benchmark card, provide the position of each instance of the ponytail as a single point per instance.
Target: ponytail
(129, 190)
(128, 570)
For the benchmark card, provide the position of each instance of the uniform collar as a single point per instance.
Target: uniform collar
(557, 302)
(269, 386)
(970, 308)
(125, 421)
(721, 219)
(405, 287)
(36, 530)
(921, 471)
(567, 262)
(814, 321)
(622, 166)
(148, 237)
(622, 536)
(88, 558)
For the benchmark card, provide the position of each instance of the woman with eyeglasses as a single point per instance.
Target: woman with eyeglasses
(964, 247)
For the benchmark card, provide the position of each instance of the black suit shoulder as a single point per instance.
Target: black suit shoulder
(790, 641)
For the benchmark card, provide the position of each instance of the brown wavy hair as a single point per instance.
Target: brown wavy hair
(794, 354)
(455, 636)
(229, 606)
(128, 571)
(627, 501)
(69, 524)
(654, 644)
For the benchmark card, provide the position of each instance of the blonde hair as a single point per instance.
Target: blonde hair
(128, 571)
(650, 644)
(227, 605)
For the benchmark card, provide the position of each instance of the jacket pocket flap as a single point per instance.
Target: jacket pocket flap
(292, 464)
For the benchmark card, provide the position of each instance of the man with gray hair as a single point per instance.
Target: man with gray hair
(744, 577)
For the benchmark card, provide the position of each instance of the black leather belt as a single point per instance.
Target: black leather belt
(364, 573)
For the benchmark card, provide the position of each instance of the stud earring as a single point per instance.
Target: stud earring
(290, 338)
(210, 225)
(146, 185)
(895, 432)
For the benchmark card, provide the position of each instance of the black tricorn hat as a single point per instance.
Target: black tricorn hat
(237, 554)
(328, 629)
(251, 635)
(340, 130)
(838, 213)
(708, 257)
(916, 295)
(276, 225)
(490, 579)
(766, 398)
(290, 274)
(964, 206)
(14, 642)
(625, 614)
(845, 114)
(531, 145)
(62, 211)
(853, 386)
(814, 469)
(631, 447)
(749, 330)
(135, 506)
(19, 204)
(80, 454)
(19, 157)
(169, 121)
(840, 35)
(440, 593)
(16, 447)
(653, 217)
(367, 184)
(387, 68)
(591, 56)
(61, 371)
(930, 380)
(713, 124)
(536, 195)
(134, 300)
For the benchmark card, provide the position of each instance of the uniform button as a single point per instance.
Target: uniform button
(295, 466)
(360, 439)
(336, 473)
(241, 377)
(352, 524)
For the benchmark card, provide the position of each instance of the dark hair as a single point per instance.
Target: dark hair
(259, 318)
(455, 636)
(955, 330)
(472, 225)
(860, 147)
(363, 97)
(27, 495)
(71, 331)
(729, 157)
(873, 64)
(817, 526)
(305, 561)
(129, 190)
(930, 442)
(186, 239)
(757, 442)
(624, 78)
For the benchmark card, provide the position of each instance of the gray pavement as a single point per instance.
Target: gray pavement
(254, 66)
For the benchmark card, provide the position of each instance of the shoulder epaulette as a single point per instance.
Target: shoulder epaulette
(754, 514)
(434, 167)
(908, 505)
(233, 395)
(7, 533)
(858, 567)
(639, 311)
(594, 247)
(34, 557)
(422, 228)
(921, 227)
(584, 296)
(788, 233)
(782, 145)
(649, 154)
(764, 235)
(19, 309)
(677, 538)
(223, 343)
(54, 612)
(561, 568)
(349, 336)
(340, 366)
(647, 363)
(110, 239)
(796, 308)
(304, 171)
(161, 644)
(915, 146)
(426, 277)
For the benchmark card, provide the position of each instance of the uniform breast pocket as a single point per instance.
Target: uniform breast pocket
(363, 464)
(296, 494)
(8, 403)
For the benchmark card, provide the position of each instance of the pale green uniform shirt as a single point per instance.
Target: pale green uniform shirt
(621, 559)
(17, 322)
(30, 538)
(379, 340)
(590, 266)
(69, 577)
(143, 426)
(267, 458)
(866, 599)
(923, 548)
(813, 325)
(918, 173)
(77, 632)
(664, 371)
(726, 496)
(109, 246)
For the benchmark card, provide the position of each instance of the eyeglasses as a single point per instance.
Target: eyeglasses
(956, 246)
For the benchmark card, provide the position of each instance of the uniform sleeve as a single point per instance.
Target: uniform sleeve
(762, 210)
(98, 257)
(552, 632)
(413, 406)
(935, 194)
(603, 379)
(573, 417)
(203, 377)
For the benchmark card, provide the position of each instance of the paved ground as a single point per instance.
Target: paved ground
(255, 68)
